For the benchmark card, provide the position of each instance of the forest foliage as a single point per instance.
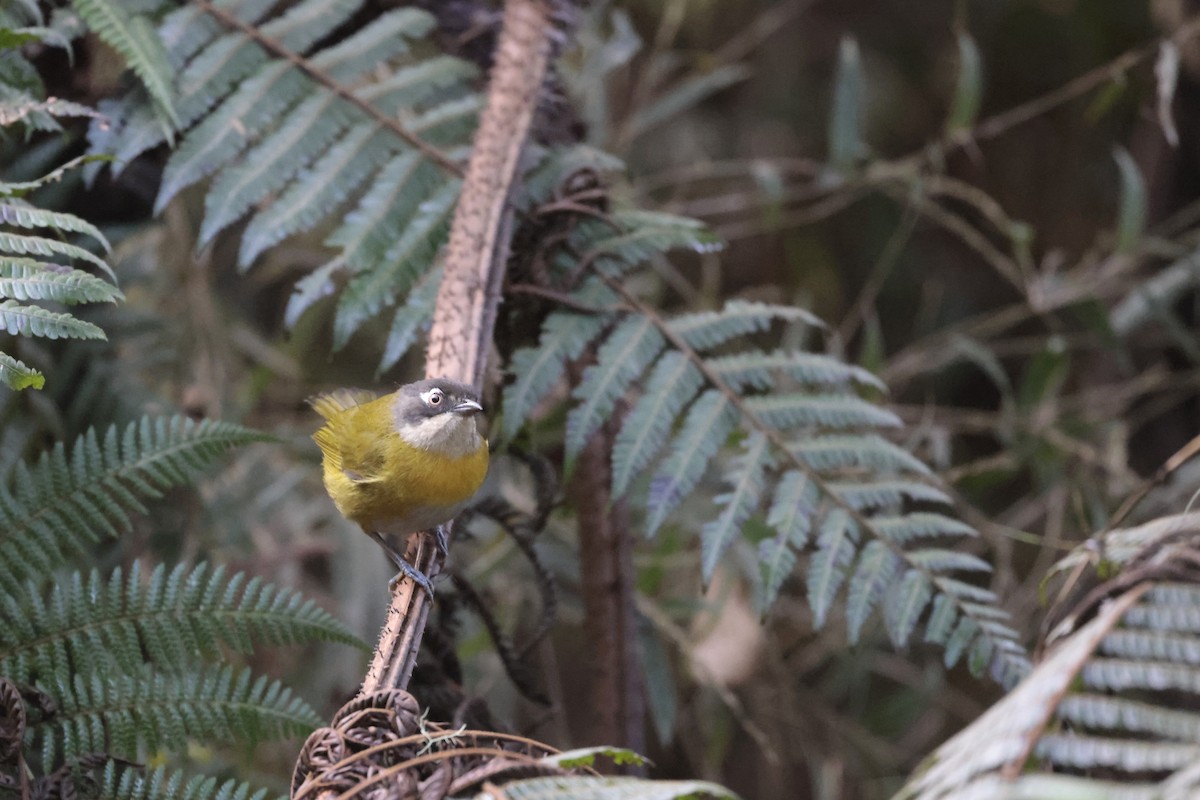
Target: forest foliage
(861, 398)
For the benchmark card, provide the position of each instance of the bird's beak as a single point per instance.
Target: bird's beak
(466, 407)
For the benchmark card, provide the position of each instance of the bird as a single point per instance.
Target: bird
(404, 462)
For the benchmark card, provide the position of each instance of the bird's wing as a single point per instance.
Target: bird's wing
(350, 439)
(330, 404)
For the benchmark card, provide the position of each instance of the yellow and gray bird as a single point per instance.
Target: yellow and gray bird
(405, 462)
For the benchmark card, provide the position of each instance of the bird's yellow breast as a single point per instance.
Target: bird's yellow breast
(379, 480)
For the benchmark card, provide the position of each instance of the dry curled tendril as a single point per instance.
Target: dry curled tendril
(379, 746)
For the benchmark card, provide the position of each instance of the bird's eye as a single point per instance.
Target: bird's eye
(435, 399)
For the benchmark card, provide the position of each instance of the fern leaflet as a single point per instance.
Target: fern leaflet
(70, 499)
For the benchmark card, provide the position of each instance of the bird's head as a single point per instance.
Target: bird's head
(438, 415)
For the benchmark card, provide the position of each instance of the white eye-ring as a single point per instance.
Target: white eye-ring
(433, 397)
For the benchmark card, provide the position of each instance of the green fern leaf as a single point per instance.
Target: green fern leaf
(776, 560)
(936, 559)
(66, 502)
(318, 191)
(120, 714)
(941, 619)
(230, 62)
(745, 481)
(384, 39)
(877, 569)
(886, 494)
(401, 265)
(594, 787)
(708, 422)
(29, 279)
(120, 782)
(36, 321)
(538, 369)
(173, 619)
(620, 361)
(867, 452)
(17, 376)
(787, 411)
(311, 289)
(757, 370)
(836, 547)
(12, 243)
(672, 384)
(647, 234)
(793, 507)
(708, 329)
(135, 39)
(224, 133)
(309, 129)
(426, 82)
(907, 600)
(370, 229)
(25, 216)
(964, 633)
(411, 318)
(920, 525)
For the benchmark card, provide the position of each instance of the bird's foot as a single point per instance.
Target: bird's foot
(441, 538)
(407, 570)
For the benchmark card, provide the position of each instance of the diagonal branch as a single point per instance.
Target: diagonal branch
(469, 294)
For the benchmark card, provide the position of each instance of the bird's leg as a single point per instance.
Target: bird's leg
(406, 569)
(442, 539)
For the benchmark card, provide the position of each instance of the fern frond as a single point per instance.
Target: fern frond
(888, 493)
(1124, 755)
(16, 375)
(643, 234)
(708, 423)
(130, 783)
(793, 509)
(290, 128)
(837, 545)
(37, 321)
(319, 190)
(706, 330)
(19, 244)
(30, 279)
(411, 318)
(69, 500)
(868, 453)
(625, 354)
(538, 369)
(229, 62)
(907, 600)
(119, 713)
(758, 370)
(746, 481)
(878, 567)
(907, 528)
(672, 384)
(175, 619)
(786, 411)
(134, 38)
(385, 38)
(270, 164)
(594, 787)
(22, 215)
(225, 133)
(401, 265)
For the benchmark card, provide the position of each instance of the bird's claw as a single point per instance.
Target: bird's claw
(407, 570)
